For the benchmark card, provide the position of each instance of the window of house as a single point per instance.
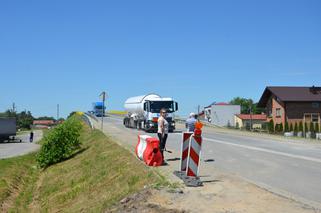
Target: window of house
(315, 118)
(278, 112)
(316, 105)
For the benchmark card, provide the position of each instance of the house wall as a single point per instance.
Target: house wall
(239, 121)
(295, 111)
(256, 124)
(272, 105)
(223, 115)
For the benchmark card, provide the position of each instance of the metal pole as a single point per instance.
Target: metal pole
(251, 123)
(57, 112)
(198, 112)
(103, 111)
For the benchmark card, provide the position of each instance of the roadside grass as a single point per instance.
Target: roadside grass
(94, 179)
(16, 175)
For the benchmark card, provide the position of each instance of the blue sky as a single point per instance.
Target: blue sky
(67, 52)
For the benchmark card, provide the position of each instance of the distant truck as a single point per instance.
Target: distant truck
(143, 112)
(98, 109)
(8, 129)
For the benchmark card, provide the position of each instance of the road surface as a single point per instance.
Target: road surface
(13, 149)
(292, 169)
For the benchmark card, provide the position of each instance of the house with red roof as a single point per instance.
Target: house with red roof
(250, 121)
(43, 124)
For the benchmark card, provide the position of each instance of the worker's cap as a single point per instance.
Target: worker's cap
(192, 114)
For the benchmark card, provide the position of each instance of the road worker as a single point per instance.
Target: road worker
(190, 122)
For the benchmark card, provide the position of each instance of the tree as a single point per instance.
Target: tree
(46, 118)
(317, 127)
(271, 126)
(24, 120)
(311, 127)
(286, 126)
(296, 127)
(300, 126)
(306, 129)
(247, 105)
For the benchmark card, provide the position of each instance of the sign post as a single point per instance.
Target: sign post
(103, 97)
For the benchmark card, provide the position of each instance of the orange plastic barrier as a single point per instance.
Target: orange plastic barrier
(147, 150)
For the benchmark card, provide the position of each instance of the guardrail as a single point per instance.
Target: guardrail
(87, 120)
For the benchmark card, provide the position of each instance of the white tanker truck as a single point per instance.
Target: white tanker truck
(143, 112)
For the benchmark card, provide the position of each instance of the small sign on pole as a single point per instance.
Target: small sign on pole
(103, 98)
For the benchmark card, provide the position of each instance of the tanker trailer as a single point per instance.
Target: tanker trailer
(143, 112)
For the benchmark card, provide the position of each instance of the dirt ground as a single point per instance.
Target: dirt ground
(221, 193)
(225, 195)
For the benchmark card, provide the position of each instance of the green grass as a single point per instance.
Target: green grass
(96, 178)
(16, 174)
(117, 112)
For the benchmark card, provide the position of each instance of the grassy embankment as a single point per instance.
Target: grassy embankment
(93, 180)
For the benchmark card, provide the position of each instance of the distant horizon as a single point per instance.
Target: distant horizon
(68, 52)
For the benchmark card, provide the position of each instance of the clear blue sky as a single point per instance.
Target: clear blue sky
(197, 52)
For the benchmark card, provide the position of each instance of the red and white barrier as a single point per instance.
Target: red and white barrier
(185, 150)
(147, 150)
(194, 154)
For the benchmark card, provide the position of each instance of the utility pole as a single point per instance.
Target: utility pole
(251, 122)
(57, 112)
(198, 112)
(14, 107)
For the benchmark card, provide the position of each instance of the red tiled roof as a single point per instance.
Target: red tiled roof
(254, 117)
(222, 103)
(43, 122)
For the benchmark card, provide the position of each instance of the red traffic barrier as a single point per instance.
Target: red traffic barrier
(184, 150)
(147, 150)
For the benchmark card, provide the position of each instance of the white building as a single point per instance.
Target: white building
(222, 114)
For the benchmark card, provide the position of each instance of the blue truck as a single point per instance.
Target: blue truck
(98, 109)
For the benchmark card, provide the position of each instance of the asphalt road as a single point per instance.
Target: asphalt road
(13, 149)
(292, 169)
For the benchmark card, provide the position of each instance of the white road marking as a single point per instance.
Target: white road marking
(266, 150)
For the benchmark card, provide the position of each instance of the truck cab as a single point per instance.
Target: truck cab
(152, 113)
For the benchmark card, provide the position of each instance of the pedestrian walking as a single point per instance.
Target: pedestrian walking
(190, 122)
(31, 137)
(162, 131)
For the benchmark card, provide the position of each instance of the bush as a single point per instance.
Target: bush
(60, 143)
(317, 127)
(281, 127)
(311, 127)
(286, 127)
(291, 127)
(296, 128)
(271, 126)
(306, 129)
(300, 126)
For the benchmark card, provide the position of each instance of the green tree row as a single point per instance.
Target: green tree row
(297, 127)
(247, 105)
(24, 118)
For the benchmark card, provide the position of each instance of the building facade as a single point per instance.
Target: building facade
(292, 104)
(222, 114)
(247, 121)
